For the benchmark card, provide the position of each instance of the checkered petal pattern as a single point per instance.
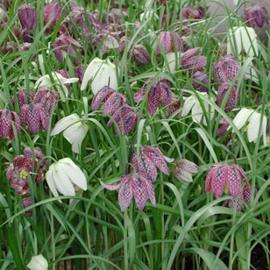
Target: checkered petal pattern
(113, 103)
(101, 97)
(256, 16)
(125, 194)
(224, 90)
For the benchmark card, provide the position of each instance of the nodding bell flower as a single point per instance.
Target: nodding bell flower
(256, 124)
(9, 122)
(57, 81)
(242, 42)
(158, 93)
(227, 94)
(184, 169)
(195, 13)
(133, 186)
(52, 14)
(193, 62)
(36, 109)
(140, 55)
(256, 16)
(101, 73)
(168, 42)
(31, 163)
(200, 81)
(74, 130)
(230, 179)
(115, 105)
(62, 177)
(38, 263)
(196, 104)
(226, 69)
(28, 18)
(66, 46)
(148, 161)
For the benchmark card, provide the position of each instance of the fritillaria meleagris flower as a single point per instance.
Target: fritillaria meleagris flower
(38, 263)
(226, 69)
(9, 122)
(139, 184)
(74, 130)
(64, 46)
(133, 186)
(256, 16)
(195, 13)
(223, 127)
(115, 105)
(52, 14)
(230, 179)
(36, 109)
(158, 93)
(63, 175)
(28, 18)
(256, 124)
(227, 94)
(168, 42)
(184, 169)
(101, 73)
(125, 118)
(200, 81)
(23, 166)
(140, 55)
(193, 62)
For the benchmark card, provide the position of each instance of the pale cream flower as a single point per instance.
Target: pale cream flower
(38, 263)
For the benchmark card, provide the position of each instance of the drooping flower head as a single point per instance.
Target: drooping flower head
(52, 14)
(158, 93)
(140, 55)
(226, 69)
(230, 179)
(228, 94)
(256, 16)
(168, 42)
(195, 13)
(184, 169)
(9, 121)
(200, 81)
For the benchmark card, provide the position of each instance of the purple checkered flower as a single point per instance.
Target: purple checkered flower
(140, 55)
(195, 13)
(168, 42)
(228, 94)
(200, 81)
(65, 45)
(52, 14)
(158, 93)
(125, 118)
(8, 121)
(193, 62)
(133, 186)
(28, 17)
(256, 16)
(226, 69)
(223, 127)
(230, 179)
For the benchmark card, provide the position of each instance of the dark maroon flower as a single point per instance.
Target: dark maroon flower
(158, 93)
(256, 16)
(133, 186)
(140, 55)
(66, 46)
(192, 62)
(26, 203)
(52, 14)
(200, 81)
(168, 42)
(28, 18)
(195, 13)
(173, 106)
(228, 94)
(23, 166)
(223, 127)
(230, 179)
(79, 71)
(226, 69)
(9, 47)
(8, 121)
(125, 118)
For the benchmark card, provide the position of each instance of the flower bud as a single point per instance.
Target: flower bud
(38, 263)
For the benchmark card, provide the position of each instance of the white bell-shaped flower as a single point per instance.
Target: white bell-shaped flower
(74, 130)
(38, 263)
(63, 175)
(101, 73)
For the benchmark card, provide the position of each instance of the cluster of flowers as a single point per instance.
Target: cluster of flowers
(31, 163)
